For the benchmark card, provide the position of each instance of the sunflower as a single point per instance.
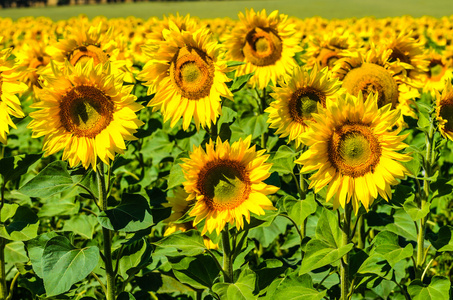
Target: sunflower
(80, 44)
(374, 73)
(32, 55)
(185, 23)
(267, 45)
(438, 72)
(444, 110)
(187, 76)
(354, 150)
(10, 85)
(297, 98)
(227, 183)
(409, 52)
(327, 48)
(86, 112)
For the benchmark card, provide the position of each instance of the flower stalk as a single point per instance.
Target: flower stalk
(227, 256)
(110, 275)
(344, 267)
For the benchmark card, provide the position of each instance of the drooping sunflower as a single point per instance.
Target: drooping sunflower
(227, 183)
(374, 73)
(86, 112)
(444, 110)
(267, 45)
(298, 97)
(354, 150)
(327, 48)
(187, 75)
(10, 85)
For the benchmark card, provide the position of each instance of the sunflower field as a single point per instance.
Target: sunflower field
(268, 157)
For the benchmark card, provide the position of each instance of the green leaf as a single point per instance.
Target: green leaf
(199, 272)
(283, 160)
(23, 227)
(443, 240)
(35, 249)
(414, 211)
(376, 265)
(15, 253)
(402, 225)
(386, 244)
(254, 125)
(297, 288)
(132, 256)
(132, 214)
(423, 121)
(328, 230)
(63, 264)
(83, 225)
(52, 179)
(242, 289)
(16, 166)
(413, 166)
(299, 210)
(239, 82)
(320, 253)
(8, 211)
(176, 177)
(188, 243)
(438, 289)
(268, 233)
(62, 204)
(270, 269)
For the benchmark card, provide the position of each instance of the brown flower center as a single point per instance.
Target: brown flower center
(192, 73)
(224, 183)
(398, 54)
(85, 111)
(372, 78)
(263, 47)
(327, 58)
(354, 150)
(304, 102)
(84, 53)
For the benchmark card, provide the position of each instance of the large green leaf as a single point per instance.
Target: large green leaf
(438, 289)
(176, 176)
(267, 234)
(15, 166)
(35, 249)
(299, 210)
(23, 227)
(52, 179)
(386, 244)
(132, 214)
(296, 288)
(319, 253)
(376, 265)
(199, 272)
(63, 264)
(188, 243)
(242, 289)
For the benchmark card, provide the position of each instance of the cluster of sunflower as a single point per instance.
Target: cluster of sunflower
(339, 91)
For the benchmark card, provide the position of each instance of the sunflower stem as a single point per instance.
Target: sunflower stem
(227, 259)
(106, 234)
(361, 232)
(344, 268)
(424, 198)
(3, 287)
